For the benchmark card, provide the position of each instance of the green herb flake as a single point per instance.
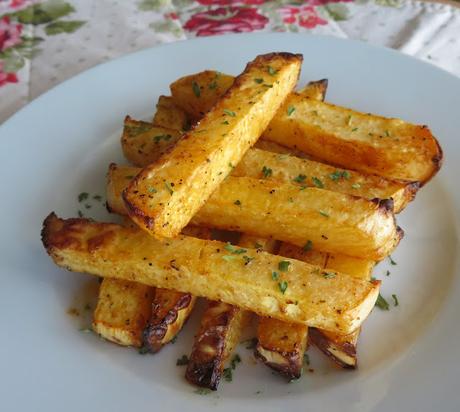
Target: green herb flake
(182, 361)
(257, 245)
(247, 259)
(300, 178)
(354, 129)
(196, 89)
(290, 110)
(225, 122)
(230, 165)
(235, 360)
(160, 137)
(169, 188)
(308, 246)
(387, 133)
(271, 71)
(237, 202)
(283, 266)
(82, 196)
(323, 213)
(258, 80)
(229, 258)
(151, 189)
(143, 350)
(395, 299)
(212, 85)
(381, 303)
(227, 374)
(318, 183)
(392, 261)
(202, 391)
(266, 172)
(229, 113)
(355, 185)
(346, 174)
(329, 275)
(232, 249)
(275, 275)
(269, 86)
(173, 340)
(283, 286)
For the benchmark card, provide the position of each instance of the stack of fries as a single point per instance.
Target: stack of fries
(311, 187)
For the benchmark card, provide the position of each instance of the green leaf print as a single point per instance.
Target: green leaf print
(59, 27)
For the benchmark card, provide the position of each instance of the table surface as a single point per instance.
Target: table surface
(43, 43)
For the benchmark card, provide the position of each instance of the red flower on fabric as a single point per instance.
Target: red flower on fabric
(7, 77)
(226, 20)
(10, 33)
(231, 2)
(306, 16)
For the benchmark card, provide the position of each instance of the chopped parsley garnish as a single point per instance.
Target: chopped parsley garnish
(355, 185)
(225, 122)
(329, 275)
(284, 265)
(269, 86)
(143, 350)
(237, 202)
(283, 286)
(164, 137)
(227, 374)
(182, 361)
(229, 113)
(169, 187)
(212, 85)
(82, 196)
(247, 259)
(354, 129)
(203, 391)
(266, 171)
(257, 245)
(196, 89)
(229, 258)
(345, 174)
(275, 275)
(395, 298)
(392, 261)
(151, 189)
(381, 303)
(235, 360)
(300, 178)
(232, 249)
(231, 165)
(318, 183)
(259, 80)
(308, 246)
(323, 213)
(290, 110)
(271, 71)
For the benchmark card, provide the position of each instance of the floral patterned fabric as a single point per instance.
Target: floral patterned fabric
(44, 42)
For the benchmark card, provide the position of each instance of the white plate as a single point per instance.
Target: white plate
(60, 145)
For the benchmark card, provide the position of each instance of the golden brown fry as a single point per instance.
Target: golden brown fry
(123, 310)
(219, 333)
(141, 140)
(315, 90)
(367, 143)
(196, 94)
(333, 221)
(165, 195)
(301, 294)
(170, 116)
(340, 348)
